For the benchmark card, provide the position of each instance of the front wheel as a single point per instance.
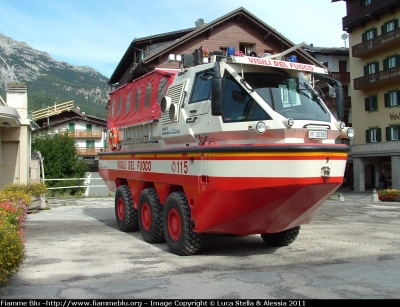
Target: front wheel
(282, 238)
(178, 233)
(126, 215)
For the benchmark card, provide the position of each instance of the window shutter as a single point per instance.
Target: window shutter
(385, 64)
(376, 67)
(396, 23)
(368, 136)
(379, 135)
(366, 104)
(375, 31)
(387, 100)
(384, 29)
(388, 136)
(398, 97)
(364, 37)
(366, 70)
(397, 60)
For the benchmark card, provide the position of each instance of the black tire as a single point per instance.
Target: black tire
(178, 232)
(150, 213)
(283, 238)
(126, 215)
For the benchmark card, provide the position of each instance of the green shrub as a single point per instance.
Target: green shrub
(389, 195)
(12, 250)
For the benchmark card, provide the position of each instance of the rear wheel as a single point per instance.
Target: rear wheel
(126, 215)
(283, 238)
(151, 216)
(180, 237)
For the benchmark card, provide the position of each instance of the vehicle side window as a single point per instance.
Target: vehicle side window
(201, 88)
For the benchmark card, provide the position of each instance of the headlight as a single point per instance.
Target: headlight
(340, 125)
(350, 133)
(261, 127)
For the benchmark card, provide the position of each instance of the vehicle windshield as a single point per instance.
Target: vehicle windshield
(239, 106)
(289, 96)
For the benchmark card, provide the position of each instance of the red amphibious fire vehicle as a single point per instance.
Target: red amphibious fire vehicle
(238, 145)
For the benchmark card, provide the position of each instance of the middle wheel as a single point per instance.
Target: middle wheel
(151, 216)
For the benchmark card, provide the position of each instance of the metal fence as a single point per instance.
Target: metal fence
(86, 182)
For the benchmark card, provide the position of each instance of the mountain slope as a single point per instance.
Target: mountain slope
(51, 81)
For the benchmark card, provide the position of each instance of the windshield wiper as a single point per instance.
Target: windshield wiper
(314, 95)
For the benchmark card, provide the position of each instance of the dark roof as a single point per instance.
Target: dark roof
(137, 44)
(326, 50)
(67, 116)
(126, 60)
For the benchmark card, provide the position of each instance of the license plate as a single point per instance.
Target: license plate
(318, 134)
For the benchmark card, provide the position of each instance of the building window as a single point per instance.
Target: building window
(371, 103)
(390, 26)
(392, 99)
(371, 68)
(223, 50)
(391, 62)
(373, 135)
(89, 143)
(370, 34)
(246, 48)
(392, 133)
(365, 2)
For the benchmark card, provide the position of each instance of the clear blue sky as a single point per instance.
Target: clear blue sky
(96, 33)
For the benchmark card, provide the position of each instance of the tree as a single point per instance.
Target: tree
(60, 161)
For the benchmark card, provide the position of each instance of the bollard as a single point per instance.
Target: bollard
(374, 196)
(341, 198)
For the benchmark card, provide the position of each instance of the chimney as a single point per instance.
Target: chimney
(17, 98)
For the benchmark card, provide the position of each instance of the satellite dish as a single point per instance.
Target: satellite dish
(344, 37)
(199, 22)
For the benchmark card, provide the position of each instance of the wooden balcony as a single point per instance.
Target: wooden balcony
(90, 151)
(331, 102)
(86, 134)
(342, 77)
(387, 76)
(369, 12)
(376, 44)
